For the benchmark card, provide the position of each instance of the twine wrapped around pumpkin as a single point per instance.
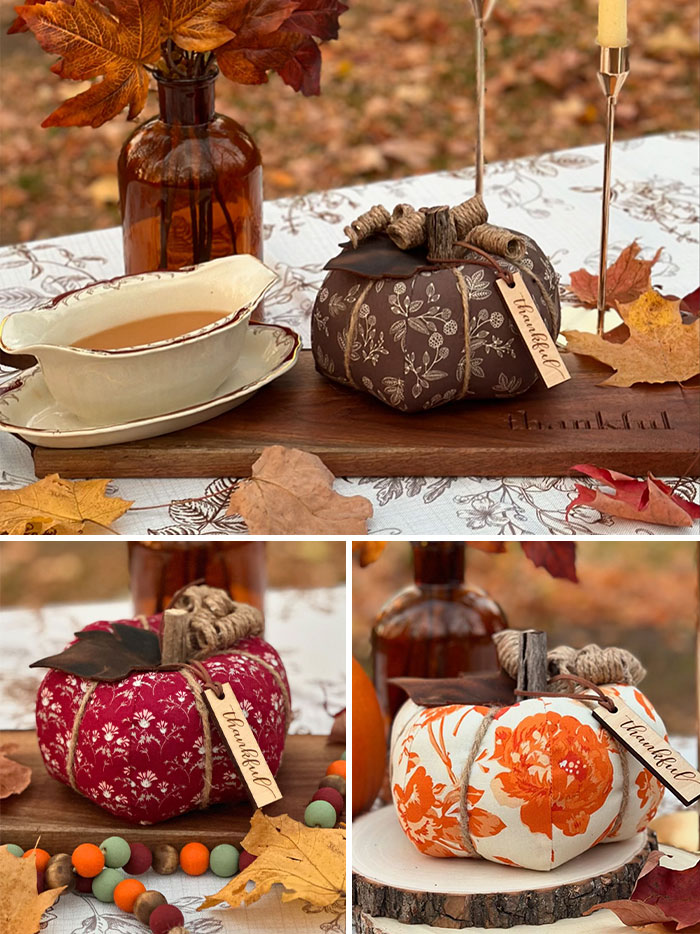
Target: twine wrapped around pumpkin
(591, 664)
(201, 621)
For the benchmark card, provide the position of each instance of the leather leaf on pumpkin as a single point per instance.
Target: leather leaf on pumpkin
(661, 896)
(308, 861)
(20, 906)
(649, 500)
(104, 655)
(659, 349)
(54, 506)
(291, 492)
(114, 43)
(627, 278)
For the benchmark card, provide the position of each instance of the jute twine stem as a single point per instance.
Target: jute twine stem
(216, 624)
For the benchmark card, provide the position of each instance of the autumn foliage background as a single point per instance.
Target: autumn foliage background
(397, 100)
(640, 595)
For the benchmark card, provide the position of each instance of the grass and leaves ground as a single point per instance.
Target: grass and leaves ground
(398, 99)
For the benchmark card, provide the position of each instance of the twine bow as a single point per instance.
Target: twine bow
(201, 621)
(570, 671)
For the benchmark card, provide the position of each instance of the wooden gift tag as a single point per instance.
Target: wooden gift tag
(652, 750)
(243, 746)
(533, 331)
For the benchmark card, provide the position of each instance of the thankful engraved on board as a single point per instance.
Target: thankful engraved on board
(243, 746)
(652, 750)
(533, 331)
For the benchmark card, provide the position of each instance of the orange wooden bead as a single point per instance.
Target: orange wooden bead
(336, 768)
(88, 860)
(194, 859)
(41, 856)
(126, 893)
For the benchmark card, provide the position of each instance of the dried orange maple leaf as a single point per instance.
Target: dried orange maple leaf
(198, 25)
(659, 349)
(59, 507)
(14, 777)
(626, 280)
(91, 41)
(291, 492)
(649, 500)
(308, 861)
(20, 906)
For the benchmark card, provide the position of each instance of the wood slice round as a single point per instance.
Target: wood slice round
(391, 879)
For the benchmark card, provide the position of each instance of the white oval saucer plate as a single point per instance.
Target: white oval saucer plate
(27, 408)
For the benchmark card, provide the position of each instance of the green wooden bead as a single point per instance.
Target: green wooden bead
(320, 814)
(117, 852)
(105, 883)
(343, 755)
(223, 860)
(14, 849)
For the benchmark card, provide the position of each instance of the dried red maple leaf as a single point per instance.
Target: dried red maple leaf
(690, 303)
(113, 43)
(649, 500)
(559, 558)
(338, 730)
(627, 279)
(661, 895)
(277, 35)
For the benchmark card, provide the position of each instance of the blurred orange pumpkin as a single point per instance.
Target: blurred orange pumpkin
(368, 742)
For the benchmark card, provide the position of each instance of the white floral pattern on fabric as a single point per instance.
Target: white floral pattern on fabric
(545, 785)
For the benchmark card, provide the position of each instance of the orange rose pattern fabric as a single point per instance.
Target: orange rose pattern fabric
(545, 786)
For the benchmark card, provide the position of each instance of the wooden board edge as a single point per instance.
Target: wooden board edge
(373, 901)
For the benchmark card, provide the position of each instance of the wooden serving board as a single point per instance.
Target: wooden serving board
(63, 818)
(543, 433)
(392, 881)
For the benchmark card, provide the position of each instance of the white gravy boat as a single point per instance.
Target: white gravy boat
(114, 386)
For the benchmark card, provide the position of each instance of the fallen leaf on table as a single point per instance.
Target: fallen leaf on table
(649, 500)
(58, 507)
(558, 558)
(308, 861)
(691, 303)
(14, 777)
(20, 906)
(659, 349)
(661, 896)
(626, 280)
(679, 828)
(338, 730)
(367, 552)
(291, 492)
(107, 655)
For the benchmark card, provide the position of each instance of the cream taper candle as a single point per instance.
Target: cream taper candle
(612, 23)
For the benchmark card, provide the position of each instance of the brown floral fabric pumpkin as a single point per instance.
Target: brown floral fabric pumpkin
(417, 334)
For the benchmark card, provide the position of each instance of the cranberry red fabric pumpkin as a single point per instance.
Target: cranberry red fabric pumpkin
(140, 749)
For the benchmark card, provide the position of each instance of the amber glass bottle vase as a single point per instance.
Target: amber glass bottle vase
(190, 182)
(157, 570)
(437, 627)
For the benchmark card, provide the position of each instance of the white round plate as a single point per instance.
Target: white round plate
(27, 408)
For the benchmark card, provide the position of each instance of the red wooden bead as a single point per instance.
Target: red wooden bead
(332, 797)
(40, 881)
(140, 861)
(82, 883)
(164, 918)
(245, 859)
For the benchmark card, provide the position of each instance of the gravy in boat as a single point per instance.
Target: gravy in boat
(148, 330)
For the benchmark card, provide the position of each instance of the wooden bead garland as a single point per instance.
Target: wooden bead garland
(87, 864)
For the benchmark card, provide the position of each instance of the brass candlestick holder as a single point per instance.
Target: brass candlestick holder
(482, 11)
(614, 68)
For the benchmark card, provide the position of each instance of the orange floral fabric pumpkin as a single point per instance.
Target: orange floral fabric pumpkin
(547, 782)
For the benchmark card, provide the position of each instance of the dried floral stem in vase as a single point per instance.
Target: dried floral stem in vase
(482, 11)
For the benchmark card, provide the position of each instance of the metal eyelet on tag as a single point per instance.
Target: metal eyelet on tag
(243, 746)
(651, 749)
